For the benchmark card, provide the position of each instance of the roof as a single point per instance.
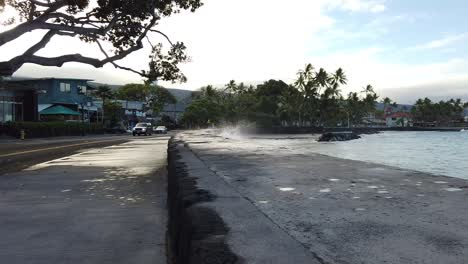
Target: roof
(41, 107)
(95, 85)
(23, 79)
(399, 115)
(58, 110)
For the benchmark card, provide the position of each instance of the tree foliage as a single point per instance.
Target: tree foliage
(154, 96)
(122, 24)
(104, 92)
(314, 99)
(132, 92)
(442, 112)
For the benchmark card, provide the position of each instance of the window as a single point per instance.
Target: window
(65, 87)
(82, 89)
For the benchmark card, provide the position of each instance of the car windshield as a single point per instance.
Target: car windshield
(141, 125)
(161, 127)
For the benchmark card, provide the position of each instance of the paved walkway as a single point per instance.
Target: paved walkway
(101, 206)
(344, 211)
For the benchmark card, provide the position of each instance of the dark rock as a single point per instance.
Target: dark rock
(338, 136)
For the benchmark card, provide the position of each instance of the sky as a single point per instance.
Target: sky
(405, 49)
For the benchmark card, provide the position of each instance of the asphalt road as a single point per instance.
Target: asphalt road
(102, 205)
(346, 211)
(19, 154)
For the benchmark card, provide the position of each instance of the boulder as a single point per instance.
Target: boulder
(338, 136)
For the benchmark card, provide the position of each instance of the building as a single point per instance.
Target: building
(396, 115)
(131, 112)
(18, 101)
(69, 93)
(465, 115)
(175, 111)
(399, 119)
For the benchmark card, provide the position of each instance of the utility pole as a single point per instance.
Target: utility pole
(348, 118)
(82, 120)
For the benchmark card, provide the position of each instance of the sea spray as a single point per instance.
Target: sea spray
(240, 131)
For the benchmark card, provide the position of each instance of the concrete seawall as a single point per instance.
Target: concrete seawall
(210, 222)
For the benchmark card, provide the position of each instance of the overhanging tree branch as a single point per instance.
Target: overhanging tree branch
(123, 24)
(117, 65)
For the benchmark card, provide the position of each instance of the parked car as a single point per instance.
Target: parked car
(142, 129)
(160, 130)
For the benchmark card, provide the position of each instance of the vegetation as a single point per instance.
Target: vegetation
(49, 129)
(116, 25)
(443, 112)
(104, 93)
(314, 100)
(113, 112)
(154, 96)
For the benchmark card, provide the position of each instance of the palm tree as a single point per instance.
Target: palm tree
(387, 101)
(322, 78)
(338, 78)
(208, 91)
(304, 77)
(368, 90)
(231, 86)
(104, 92)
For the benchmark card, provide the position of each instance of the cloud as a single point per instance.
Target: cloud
(440, 90)
(440, 43)
(372, 6)
(257, 40)
(253, 41)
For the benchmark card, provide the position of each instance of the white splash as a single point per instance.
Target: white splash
(453, 189)
(440, 182)
(327, 190)
(372, 187)
(231, 132)
(94, 180)
(286, 189)
(334, 180)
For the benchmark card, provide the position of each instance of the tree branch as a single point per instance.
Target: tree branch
(40, 3)
(41, 44)
(117, 65)
(164, 35)
(29, 26)
(9, 67)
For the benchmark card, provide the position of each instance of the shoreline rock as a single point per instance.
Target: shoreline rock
(338, 136)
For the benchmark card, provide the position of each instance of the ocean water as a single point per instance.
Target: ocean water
(439, 153)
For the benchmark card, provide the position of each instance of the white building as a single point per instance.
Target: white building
(399, 119)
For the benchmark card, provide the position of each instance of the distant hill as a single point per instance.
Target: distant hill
(184, 97)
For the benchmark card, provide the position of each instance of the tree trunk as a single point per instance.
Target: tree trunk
(103, 103)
